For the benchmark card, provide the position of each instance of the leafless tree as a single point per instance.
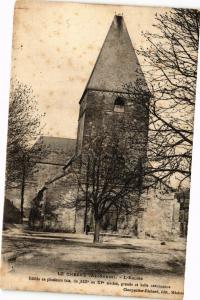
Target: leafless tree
(171, 72)
(24, 127)
(106, 179)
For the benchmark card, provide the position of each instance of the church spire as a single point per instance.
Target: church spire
(117, 63)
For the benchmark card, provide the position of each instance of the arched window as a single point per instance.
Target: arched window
(119, 105)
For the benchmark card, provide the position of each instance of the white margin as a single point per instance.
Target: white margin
(192, 283)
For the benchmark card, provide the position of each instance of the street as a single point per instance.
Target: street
(76, 253)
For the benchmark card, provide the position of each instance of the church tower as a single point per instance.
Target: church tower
(105, 101)
(106, 106)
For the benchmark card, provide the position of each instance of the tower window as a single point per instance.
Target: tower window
(119, 105)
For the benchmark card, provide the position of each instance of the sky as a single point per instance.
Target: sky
(55, 47)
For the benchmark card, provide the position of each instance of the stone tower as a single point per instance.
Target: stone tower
(105, 100)
(105, 105)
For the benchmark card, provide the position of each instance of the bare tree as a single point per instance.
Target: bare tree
(171, 72)
(24, 127)
(106, 179)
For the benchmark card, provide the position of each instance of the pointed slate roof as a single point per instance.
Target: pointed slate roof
(117, 62)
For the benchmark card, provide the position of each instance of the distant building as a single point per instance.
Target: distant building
(58, 152)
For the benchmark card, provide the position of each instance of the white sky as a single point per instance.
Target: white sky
(60, 44)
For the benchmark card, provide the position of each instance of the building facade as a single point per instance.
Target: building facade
(106, 108)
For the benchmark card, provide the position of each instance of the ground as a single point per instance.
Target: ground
(59, 252)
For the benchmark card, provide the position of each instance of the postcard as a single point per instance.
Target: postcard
(99, 149)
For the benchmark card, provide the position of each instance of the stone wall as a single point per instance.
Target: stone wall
(41, 174)
(157, 217)
(59, 211)
(160, 216)
(97, 114)
(57, 151)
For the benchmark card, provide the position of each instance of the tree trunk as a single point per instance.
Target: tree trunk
(22, 203)
(96, 231)
(22, 192)
(116, 221)
(85, 215)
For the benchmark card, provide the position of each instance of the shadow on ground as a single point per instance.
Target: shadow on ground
(77, 255)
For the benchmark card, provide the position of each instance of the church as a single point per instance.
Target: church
(105, 107)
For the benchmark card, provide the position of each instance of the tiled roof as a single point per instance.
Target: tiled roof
(58, 150)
